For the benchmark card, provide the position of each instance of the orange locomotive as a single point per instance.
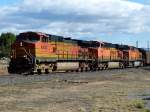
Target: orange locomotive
(132, 56)
(39, 52)
(110, 56)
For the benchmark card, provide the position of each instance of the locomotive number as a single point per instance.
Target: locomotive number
(44, 47)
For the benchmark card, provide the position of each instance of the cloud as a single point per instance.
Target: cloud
(76, 17)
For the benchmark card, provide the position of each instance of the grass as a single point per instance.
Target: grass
(146, 110)
(145, 94)
(139, 104)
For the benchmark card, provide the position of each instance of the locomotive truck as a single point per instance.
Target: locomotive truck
(35, 52)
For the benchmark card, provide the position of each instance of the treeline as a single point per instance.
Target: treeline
(6, 40)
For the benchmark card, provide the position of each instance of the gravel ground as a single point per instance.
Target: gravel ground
(8, 79)
(115, 90)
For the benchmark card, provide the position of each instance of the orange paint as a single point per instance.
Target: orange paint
(109, 54)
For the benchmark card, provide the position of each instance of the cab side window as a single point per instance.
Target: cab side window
(44, 39)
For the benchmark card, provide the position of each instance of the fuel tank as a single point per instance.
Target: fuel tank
(137, 63)
(67, 66)
(113, 64)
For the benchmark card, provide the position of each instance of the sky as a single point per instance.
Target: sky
(116, 21)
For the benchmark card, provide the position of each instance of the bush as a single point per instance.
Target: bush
(6, 40)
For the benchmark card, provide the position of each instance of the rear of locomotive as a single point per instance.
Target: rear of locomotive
(135, 56)
(145, 56)
(132, 56)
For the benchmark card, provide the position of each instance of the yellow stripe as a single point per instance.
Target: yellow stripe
(47, 56)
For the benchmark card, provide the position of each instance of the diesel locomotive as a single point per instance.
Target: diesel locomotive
(35, 52)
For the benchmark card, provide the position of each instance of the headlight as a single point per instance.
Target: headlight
(25, 56)
(21, 44)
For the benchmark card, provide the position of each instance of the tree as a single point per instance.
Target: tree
(6, 40)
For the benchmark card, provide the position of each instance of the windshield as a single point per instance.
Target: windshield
(28, 37)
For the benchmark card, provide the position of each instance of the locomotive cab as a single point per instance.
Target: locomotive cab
(26, 44)
(30, 37)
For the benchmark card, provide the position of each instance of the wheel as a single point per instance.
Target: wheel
(142, 64)
(86, 69)
(121, 65)
(39, 71)
(46, 71)
(105, 67)
(77, 70)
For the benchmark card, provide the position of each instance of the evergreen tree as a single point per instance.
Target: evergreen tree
(6, 40)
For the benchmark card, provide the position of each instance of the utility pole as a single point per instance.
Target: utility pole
(148, 45)
(137, 44)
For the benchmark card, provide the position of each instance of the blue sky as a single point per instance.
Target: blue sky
(8, 2)
(141, 1)
(117, 21)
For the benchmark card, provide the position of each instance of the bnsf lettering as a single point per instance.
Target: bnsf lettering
(43, 47)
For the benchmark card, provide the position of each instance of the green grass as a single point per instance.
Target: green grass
(146, 110)
(139, 104)
(145, 94)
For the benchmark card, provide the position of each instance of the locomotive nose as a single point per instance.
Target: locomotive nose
(21, 44)
(23, 49)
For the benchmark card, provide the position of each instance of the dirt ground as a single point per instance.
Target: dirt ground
(3, 69)
(118, 92)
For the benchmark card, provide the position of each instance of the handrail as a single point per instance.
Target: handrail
(29, 54)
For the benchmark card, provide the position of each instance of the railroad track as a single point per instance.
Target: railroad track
(11, 79)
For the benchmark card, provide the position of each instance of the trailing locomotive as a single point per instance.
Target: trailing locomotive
(43, 53)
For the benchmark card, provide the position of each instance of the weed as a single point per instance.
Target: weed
(146, 110)
(138, 104)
